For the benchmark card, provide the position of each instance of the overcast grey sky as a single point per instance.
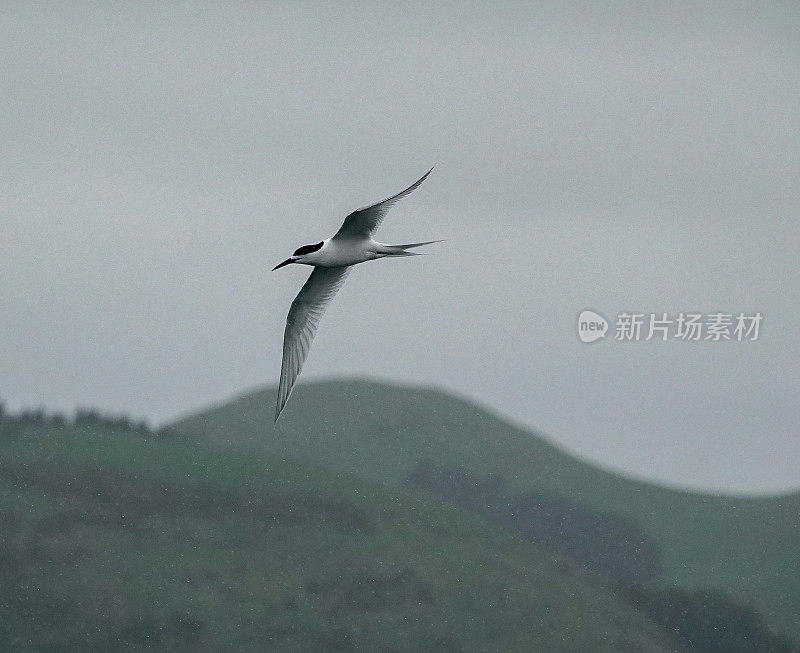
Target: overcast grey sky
(159, 159)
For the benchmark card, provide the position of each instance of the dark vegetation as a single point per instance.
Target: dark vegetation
(606, 544)
(612, 547)
(11, 423)
(708, 621)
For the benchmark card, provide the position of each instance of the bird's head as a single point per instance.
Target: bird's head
(300, 255)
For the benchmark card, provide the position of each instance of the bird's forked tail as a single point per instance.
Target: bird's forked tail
(400, 250)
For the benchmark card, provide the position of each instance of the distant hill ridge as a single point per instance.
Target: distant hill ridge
(747, 547)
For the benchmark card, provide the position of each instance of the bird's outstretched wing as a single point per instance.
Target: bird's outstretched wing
(301, 325)
(363, 222)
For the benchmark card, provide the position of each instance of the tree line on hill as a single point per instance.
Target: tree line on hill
(11, 423)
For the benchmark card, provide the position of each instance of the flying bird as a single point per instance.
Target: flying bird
(332, 260)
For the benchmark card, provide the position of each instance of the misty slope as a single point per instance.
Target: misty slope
(749, 547)
(117, 542)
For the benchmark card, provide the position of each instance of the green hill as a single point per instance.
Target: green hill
(746, 547)
(121, 541)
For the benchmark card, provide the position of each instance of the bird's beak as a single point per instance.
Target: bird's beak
(280, 265)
